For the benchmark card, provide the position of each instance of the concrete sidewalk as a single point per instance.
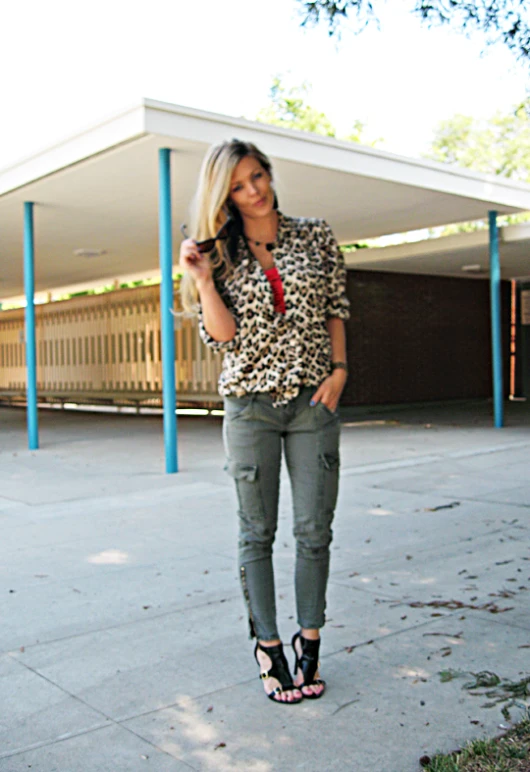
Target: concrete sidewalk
(123, 642)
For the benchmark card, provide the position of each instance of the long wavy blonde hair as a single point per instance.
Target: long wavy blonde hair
(212, 206)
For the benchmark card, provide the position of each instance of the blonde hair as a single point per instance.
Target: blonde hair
(212, 206)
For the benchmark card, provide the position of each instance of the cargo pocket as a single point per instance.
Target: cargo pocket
(246, 478)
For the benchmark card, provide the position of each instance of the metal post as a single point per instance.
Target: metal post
(166, 304)
(496, 330)
(31, 354)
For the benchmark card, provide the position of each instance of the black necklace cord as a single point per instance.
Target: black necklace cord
(269, 245)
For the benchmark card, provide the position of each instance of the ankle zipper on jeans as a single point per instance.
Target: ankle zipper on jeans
(252, 629)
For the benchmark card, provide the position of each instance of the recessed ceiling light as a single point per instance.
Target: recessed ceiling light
(89, 252)
(475, 268)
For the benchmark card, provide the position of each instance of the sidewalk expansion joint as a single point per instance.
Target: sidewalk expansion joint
(160, 708)
(109, 721)
(384, 466)
(374, 561)
(492, 501)
(54, 741)
(124, 624)
(396, 633)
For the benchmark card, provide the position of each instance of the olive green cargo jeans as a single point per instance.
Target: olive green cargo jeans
(254, 432)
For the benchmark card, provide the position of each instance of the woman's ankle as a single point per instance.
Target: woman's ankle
(310, 634)
(272, 642)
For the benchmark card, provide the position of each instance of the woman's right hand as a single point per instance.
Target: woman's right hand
(196, 263)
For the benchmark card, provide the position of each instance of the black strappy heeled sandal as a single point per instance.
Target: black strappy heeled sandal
(278, 669)
(308, 665)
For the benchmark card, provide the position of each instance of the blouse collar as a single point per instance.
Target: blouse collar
(280, 233)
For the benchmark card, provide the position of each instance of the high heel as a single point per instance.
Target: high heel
(307, 664)
(279, 670)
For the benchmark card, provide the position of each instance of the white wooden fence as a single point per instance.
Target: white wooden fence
(106, 348)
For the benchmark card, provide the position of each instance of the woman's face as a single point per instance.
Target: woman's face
(251, 190)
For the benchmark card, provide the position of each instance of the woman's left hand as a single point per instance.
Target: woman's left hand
(330, 390)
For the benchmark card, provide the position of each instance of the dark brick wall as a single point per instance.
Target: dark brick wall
(418, 338)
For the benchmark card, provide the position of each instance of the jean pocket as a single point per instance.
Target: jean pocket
(238, 407)
(324, 409)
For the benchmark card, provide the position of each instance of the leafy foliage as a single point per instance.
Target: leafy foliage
(499, 146)
(288, 107)
(112, 288)
(504, 21)
(336, 11)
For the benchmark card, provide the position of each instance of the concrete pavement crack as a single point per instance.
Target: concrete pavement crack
(123, 624)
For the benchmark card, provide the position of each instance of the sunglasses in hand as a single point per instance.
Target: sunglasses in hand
(208, 244)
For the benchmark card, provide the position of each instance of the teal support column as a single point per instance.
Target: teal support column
(31, 351)
(166, 305)
(496, 328)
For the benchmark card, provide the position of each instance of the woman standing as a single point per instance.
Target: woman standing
(271, 297)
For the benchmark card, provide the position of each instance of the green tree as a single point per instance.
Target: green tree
(504, 21)
(357, 134)
(499, 146)
(288, 108)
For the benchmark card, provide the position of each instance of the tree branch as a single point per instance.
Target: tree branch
(500, 21)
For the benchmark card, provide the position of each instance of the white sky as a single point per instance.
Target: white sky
(67, 63)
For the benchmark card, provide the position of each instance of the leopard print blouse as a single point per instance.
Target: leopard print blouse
(274, 352)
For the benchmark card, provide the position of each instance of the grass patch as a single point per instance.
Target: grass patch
(509, 753)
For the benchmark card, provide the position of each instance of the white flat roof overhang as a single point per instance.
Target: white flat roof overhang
(99, 190)
(462, 254)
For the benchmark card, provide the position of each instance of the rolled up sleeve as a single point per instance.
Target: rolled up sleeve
(337, 304)
(221, 346)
